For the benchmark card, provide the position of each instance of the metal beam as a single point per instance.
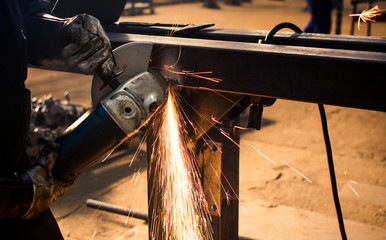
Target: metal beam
(203, 31)
(320, 75)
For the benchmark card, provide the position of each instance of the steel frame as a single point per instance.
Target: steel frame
(344, 71)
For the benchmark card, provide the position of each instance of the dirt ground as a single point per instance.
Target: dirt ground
(275, 201)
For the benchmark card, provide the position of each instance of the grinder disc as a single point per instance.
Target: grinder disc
(131, 59)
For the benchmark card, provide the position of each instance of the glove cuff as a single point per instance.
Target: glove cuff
(41, 199)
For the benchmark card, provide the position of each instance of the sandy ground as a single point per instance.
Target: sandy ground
(276, 202)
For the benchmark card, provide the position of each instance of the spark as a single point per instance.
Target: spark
(136, 176)
(89, 220)
(198, 126)
(182, 209)
(170, 68)
(99, 220)
(93, 235)
(353, 190)
(53, 8)
(297, 172)
(262, 154)
(221, 95)
(215, 204)
(176, 62)
(216, 121)
(219, 180)
(241, 128)
(108, 155)
(170, 33)
(229, 194)
(353, 182)
(135, 201)
(198, 112)
(225, 134)
(174, 27)
(138, 149)
(367, 15)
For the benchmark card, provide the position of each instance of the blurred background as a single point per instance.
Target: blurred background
(275, 202)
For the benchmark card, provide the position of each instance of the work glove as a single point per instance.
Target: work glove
(89, 46)
(46, 189)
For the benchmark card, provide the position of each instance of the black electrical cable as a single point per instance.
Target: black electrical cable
(332, 172)
(268, 39)
(274, 30)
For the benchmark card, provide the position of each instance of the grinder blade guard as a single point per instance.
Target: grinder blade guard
(117, 113)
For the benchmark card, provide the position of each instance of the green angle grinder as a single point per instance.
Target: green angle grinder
(123, 103)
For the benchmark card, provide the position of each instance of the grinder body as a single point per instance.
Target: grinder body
(115, 117)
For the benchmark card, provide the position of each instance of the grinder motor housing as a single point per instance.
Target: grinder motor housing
(117, 115)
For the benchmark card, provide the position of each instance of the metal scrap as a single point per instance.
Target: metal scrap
(49, 118)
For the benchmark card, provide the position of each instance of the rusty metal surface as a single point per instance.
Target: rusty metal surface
(209, 162)
(225, 223)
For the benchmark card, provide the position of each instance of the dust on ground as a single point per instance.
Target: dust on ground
(276, 202)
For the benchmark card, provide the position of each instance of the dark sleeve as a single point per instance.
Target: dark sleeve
(45, 35)
(16, 197)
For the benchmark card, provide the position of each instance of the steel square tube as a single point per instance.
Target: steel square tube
(320, 75)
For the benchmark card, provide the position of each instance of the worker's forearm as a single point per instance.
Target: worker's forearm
(16, 197)
(46, 39)
(43, 33)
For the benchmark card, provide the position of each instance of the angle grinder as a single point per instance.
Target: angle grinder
(122, 104)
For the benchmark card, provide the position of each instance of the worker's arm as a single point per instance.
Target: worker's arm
(79, 42)
(29, 193)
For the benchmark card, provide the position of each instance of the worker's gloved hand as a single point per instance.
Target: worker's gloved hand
(46, 189)
(89, 45)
